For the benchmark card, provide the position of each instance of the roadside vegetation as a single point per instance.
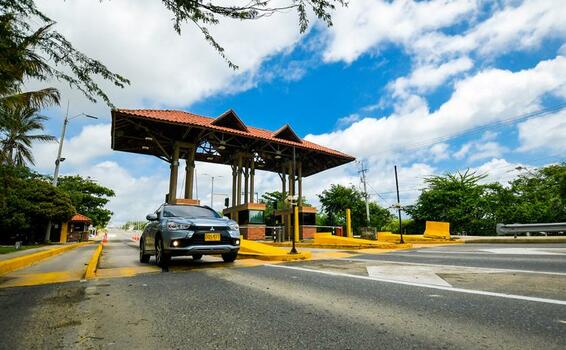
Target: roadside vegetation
(470, 204)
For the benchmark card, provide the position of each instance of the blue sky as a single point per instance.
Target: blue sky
(389, 83)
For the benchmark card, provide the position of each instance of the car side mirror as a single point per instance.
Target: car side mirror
(151, 217)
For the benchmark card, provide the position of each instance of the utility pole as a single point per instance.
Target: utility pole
(212, 188)
(399, 206)
(293, 210)
(363, 171)
(60, 159)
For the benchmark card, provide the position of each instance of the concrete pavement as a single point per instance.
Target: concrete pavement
(267, 307)
(458, 296)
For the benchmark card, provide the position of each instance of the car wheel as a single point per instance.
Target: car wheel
(197, 256)
(144, 258)
(229, 257)
(161, 258)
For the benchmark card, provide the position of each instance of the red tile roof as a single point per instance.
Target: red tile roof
(187, 118)
(80, 218)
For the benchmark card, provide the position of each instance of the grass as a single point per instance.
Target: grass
(5, 249)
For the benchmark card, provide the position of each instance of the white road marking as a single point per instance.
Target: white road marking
(523, 251)
(417, 274)
(450, 289)
(486, 269)
(447, 252)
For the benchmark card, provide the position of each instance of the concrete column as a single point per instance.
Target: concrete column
(252, 179)
(291, 193)
(173, 176)
(189, 174)
(284, 221)
(246, 184)
(234, 189)
(239, 181)
(300, 182)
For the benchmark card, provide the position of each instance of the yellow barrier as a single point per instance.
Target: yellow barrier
(63, 236)
(90, 272)
(437, 229)
(349, 223)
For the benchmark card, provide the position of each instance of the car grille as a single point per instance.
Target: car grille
(198, 238)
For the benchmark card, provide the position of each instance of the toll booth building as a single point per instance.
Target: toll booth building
(182, 138)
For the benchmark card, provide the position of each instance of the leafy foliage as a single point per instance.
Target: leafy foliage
(29, 201)
(203, 14)
(88, 197)
(43, 54)
(18, 129)
(335, 200)
(273, 201)
(476, 208)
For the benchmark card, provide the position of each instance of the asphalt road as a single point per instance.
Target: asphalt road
(315, 304)
(531, 257)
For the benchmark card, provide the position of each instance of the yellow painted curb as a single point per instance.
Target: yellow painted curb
(20, 262)
(261, 251)
(377, 245)
(277, 257)
(90, 272)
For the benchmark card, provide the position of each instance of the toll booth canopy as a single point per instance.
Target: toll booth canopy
(178, 135)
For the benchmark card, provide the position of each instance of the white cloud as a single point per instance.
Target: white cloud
(482, 148)
(428, 77)
(490, 95)
(516, 26)
(487, 150)
(93, 142)
(137, 40)
(348, 120)
(365, 24)
(544, 133)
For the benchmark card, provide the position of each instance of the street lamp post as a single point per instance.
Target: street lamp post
(212, 187)
(59, 159)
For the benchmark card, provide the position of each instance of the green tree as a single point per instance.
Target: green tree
(539, 196)
(476, 208)
(335, 200)
(18, 129)
(32, 202)
(274, 201)
(455, 198)
(88, 197)
(81, 72)
(42, 54)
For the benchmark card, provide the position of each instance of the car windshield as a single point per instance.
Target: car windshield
(187, 211)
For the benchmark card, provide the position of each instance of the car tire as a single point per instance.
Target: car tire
(161, 258)
(144, 258)
(229, 257)
(197, 256)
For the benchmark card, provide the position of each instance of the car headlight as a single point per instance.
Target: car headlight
(176, 226)
(234, 230)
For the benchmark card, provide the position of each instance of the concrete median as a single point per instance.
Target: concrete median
(21, 262)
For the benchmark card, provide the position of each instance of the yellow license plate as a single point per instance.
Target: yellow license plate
(212, 236)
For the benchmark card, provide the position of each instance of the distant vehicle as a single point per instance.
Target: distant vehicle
(183, 230)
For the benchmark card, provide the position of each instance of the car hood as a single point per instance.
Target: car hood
(204, 221)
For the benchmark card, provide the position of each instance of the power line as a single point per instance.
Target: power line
(479, 129)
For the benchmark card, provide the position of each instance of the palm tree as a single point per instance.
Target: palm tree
(19, 61)
(18, 130)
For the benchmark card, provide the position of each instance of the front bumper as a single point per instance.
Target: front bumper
(203, 249)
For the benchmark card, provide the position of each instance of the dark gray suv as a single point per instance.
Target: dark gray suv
(182, 230)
